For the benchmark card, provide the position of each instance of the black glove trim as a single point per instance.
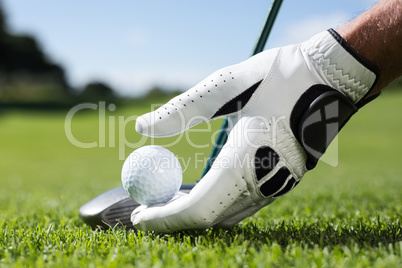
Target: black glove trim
(237, 103)
(265, 161)
(276, 182)
(317, 118)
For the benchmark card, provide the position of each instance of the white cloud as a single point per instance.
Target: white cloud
(303, 30)
(134, 81)
(138, 36)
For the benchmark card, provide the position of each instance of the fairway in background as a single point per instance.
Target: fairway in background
(349, 215)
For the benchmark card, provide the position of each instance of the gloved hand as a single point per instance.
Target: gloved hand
(285, 106)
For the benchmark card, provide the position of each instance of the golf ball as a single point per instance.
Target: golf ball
(151, 175)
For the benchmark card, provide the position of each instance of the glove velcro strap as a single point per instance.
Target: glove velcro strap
(317, 118)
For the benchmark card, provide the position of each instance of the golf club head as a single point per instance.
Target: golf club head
(113, 208)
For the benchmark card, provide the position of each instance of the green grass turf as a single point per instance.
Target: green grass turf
(344, 216)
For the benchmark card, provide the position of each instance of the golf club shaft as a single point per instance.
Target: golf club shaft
(259, 47)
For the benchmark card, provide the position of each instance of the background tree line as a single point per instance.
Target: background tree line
(29, 78)
(28, 75)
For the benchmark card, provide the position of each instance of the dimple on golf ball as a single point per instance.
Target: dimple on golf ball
(151, 175)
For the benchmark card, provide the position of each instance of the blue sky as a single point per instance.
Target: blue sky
(134, 45)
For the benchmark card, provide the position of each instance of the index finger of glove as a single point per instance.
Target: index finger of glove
(224, 92)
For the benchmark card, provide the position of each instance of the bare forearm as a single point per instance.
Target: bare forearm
(377, 36)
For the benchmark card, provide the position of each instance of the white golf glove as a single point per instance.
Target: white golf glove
(285, 106)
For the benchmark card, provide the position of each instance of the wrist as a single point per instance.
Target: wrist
(376, 35)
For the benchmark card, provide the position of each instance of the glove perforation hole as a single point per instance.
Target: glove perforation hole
(265, 161)
(289, 186)
(275, 183)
